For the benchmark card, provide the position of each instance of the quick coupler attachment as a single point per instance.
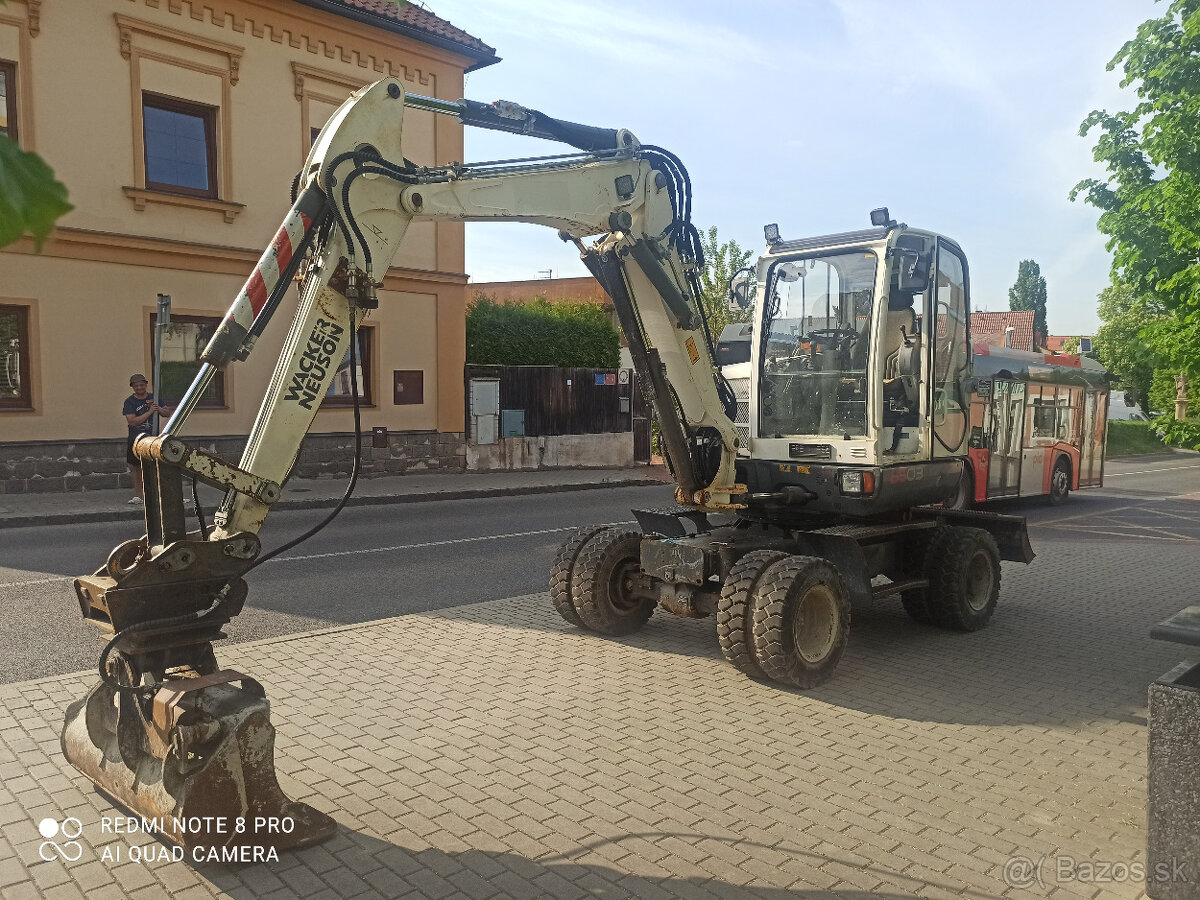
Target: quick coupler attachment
(195, 762)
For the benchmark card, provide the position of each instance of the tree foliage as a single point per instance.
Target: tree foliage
(1029, 292)
(30, 197)
(721, 260)
(1119, 343)
(541, 333)
(1150, 203)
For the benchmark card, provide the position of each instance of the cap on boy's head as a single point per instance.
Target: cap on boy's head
(134, 379)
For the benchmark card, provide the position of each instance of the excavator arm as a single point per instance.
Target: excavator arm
(184, 737)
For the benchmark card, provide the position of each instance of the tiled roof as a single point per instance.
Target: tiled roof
(412, 20)
(989, 328)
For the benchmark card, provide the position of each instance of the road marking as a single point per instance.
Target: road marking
(446, 543)
(1087, 515)
(1148, 471)
(13, 584)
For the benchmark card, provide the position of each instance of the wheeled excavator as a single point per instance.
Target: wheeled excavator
(856, 393)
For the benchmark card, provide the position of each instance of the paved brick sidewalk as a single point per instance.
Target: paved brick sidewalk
(490, 750)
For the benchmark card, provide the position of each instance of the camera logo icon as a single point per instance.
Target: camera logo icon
(69, 849)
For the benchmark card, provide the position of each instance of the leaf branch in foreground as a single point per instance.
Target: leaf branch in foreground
(31, 199)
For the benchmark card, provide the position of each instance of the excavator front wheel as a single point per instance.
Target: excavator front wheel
(801, 613)
(609, 591)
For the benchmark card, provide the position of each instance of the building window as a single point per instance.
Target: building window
(339, 393)
(182, 343)
(14, 358)
(8, 99)
(181, 146)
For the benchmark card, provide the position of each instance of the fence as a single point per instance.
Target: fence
(554, 400)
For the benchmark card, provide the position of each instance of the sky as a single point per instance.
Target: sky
(961, 117)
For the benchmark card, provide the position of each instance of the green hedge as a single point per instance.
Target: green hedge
(1132, 438)
(541, 333)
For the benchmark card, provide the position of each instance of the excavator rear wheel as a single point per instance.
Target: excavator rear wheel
(608, 588)
(964, 578)
(735, 626)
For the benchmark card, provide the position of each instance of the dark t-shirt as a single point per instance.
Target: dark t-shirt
(135, 407)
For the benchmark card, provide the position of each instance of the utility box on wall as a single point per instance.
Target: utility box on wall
(512, 423)
(485, 409)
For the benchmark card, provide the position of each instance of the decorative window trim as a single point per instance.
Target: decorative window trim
(226, 67)
(142, 196)
(307, 82)
(130, 27)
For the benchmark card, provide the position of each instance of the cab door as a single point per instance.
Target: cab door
(949, 346)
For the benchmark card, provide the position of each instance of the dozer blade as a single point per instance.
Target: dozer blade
(198, 761)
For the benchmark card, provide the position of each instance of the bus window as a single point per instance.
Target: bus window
(1042, 412)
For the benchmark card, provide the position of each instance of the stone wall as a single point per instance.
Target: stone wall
(41, 467)
(608, 450)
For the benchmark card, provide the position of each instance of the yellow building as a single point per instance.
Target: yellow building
(177, 127)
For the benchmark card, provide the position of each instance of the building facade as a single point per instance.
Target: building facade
(177, 127)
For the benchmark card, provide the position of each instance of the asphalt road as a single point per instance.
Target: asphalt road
(370, 563)
(380, 561)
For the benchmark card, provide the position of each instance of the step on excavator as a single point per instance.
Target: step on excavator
(811, 498)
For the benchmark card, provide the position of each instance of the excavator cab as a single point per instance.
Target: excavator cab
(859, 372)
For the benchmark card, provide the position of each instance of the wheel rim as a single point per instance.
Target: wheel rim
(1059, 486)
(980, 579)
(814, 630)
(621, 586)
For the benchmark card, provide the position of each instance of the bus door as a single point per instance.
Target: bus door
(1087, 448)
(1004, 425)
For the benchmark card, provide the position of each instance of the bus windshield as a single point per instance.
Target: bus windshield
(816, 337)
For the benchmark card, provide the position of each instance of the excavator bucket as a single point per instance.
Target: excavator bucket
(197, 762)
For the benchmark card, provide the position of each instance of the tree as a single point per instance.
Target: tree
(721, 260)
(1150, 201)
(1120, 343)
(1029, 292)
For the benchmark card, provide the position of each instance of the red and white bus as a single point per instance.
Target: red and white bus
(1038, 424)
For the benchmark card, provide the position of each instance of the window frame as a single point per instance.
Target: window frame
(208, 114)
(9, 69)
(366, 346)
(23, 402)
(221, 401)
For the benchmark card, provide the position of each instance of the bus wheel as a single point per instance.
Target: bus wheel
(964, 578)
(1060, 482)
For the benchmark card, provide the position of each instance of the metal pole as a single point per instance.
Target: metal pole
(162, 322)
